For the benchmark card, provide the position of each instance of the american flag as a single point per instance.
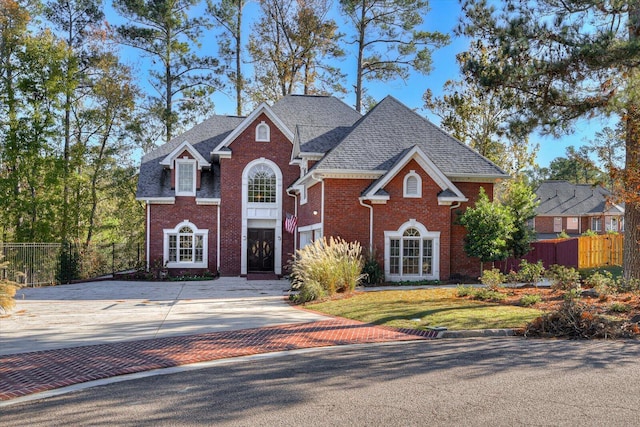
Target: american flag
(290, 223)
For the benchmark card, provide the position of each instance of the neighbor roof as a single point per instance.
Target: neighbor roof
(383, 135)
(564, 198)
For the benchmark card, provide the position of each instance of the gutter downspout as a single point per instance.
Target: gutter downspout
(148, 234)
(295, 213)
(218, 241)
(370, 207)
(321, 181)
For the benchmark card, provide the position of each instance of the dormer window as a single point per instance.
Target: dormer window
(185, 177)
(263, 133)
(412, 185)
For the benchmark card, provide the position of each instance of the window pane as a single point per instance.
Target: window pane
(199, 255)
(410, 256)
(411, 232)
(186, 248)
(173, 248)
(185, 177)
(427, 257)
(394, 256)
(262, 185)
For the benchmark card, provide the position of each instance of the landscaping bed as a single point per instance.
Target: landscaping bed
(625, 306)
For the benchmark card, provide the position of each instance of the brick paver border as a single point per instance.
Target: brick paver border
(27, 373)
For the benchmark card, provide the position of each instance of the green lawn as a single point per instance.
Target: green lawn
(433, 307)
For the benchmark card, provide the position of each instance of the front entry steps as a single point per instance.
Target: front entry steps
(262, 276)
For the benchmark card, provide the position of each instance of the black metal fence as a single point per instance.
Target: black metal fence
(38, 264)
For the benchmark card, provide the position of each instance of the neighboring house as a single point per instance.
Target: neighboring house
(576, 208)
(223, 195)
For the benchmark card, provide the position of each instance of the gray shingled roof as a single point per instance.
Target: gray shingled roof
(311, 110)
(320, 139)
(380, 137)
(564, 198)
(155, 181)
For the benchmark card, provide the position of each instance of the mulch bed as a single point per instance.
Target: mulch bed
(552, 300)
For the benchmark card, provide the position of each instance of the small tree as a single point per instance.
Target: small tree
(489, 227)
(521, 202)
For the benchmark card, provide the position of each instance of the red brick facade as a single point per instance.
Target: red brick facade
(337, 201)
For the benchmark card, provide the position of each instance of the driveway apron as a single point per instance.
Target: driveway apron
(113, 311)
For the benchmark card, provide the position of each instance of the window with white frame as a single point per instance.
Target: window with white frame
(185, 177)
(185, 246)
(614, 224)
(263, 133)
(412, 252)
(572, 223)
(412, 185)
(596, 224)
(262, 184)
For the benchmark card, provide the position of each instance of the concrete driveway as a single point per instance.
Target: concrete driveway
(100, 312)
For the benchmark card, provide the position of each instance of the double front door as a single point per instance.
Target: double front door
(260, 249)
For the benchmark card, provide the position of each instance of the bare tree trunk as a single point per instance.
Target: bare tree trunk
(359, 71)
(631, 249)
(239, 76)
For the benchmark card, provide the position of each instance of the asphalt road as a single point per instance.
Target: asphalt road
(506, 382)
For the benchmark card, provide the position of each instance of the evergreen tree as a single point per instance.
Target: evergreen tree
(164, 31)
(567, 60)
(389, 41)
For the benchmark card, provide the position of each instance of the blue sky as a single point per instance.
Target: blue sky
(443, 17)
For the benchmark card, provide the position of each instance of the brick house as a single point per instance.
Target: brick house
(576, 208)
(218, 196)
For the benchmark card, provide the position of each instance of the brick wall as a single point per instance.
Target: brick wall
(168, 216)
(244, 150)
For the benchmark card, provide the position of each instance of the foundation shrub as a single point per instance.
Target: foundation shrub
(563, 278)
(530, 272)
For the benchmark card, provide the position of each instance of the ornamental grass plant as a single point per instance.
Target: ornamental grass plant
(326, 267)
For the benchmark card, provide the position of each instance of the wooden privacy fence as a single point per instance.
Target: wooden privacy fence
(596, 251)
(579, 252)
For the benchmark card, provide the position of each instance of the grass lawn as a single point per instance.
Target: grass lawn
(433, 307)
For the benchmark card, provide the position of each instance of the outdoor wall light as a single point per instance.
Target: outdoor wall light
(315, 212)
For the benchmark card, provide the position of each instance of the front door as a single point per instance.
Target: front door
(260, 249)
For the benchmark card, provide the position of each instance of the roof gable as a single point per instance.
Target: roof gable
(262, 109)
(379, 138)
(185, 146)
(449, 191)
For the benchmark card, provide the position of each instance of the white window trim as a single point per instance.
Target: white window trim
(425, 234)
(599, 223)
(177, 177)
(263, 125)
(196, 231)
(418, 193)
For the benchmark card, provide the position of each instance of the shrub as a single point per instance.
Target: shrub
(563, 278)
(310, 291)
(372, 271)
(617, 307)
(563, 235)
(488, 295)
(589, 233)
(334, 266)
(531, 273)
(602, 282)
(528, 300)
(464, 291)
(623, 285)
(493, 279)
